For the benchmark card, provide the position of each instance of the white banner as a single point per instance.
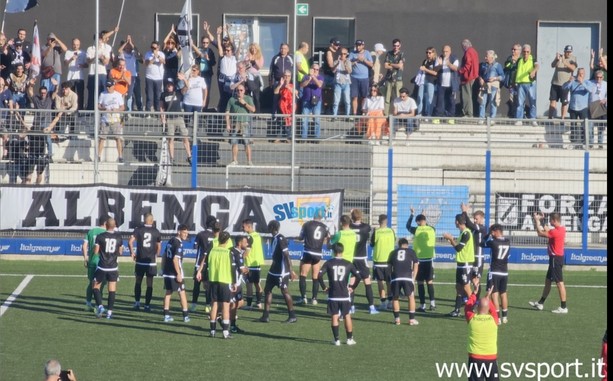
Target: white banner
(79, 208)
(184, 30)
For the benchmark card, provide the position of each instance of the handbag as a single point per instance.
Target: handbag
(597, 109)
(315, 100)
(47, 72)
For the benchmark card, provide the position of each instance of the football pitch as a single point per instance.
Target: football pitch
(48, 320)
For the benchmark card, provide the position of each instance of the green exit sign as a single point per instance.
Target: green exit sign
(302, 9)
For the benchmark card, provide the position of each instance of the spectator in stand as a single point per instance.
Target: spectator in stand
(330, 61)
(5, 56)
(602, 63)
(122, 78)
(19, 56)
(378, 58)
(342, 82)
(510, 70)
(425, 94)
(564, 65)
(51, 64)
(490, 76)
(373, 107)
(447, 86)
(279, 64)
(205, 59)
(361, 64)
(302, 64)
(42, 120)
(53, 372)
(154, 76)
(76, 61)
(67, 102)
(287, 95)
(194, 90)
(132, 57)
(598, 94)
(312, 85)
(254, 63)
(6, 103)
(19, 158)
(238, 123)
(226, 71)
(469, 72)
(18, 83)
(246, 78)
(171, 55)
(22, 34)
(394, 64)
(97, 65)
(404, 109)
(525, 80)
(171, 101)
(579, 89)
(110, 123)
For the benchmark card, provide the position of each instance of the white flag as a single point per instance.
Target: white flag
(35, 59)
(184, 29)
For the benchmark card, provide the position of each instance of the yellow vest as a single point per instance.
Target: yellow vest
(385, 241)
(424, 242)
(482, 335)
(467, 254)
(524, 69)
(256, 254)
(304, 65)
(220, 265)
(348, 239)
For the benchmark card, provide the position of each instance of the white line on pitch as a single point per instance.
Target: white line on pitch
(7, 303)
(309, 280)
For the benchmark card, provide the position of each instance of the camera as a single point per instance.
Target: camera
(64, 375)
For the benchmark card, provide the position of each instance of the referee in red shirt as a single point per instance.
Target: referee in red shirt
(555, 248)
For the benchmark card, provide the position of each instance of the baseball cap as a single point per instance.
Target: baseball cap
(170, 81)
(51, 36)
(379, 46)
(568, 48)
(110, 83)
(335, 41)
(359, 42)
(18, 43)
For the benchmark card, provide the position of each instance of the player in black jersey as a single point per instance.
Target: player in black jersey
(339, 271)
(109, 245)
(498, 275)
(403, 266)
(172, 265)
(479, 230)
(360, 258)
(203, 245)
(279, 274)
(148, 246)
(314, 234)
(238, 263)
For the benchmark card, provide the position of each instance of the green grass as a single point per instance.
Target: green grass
(48, 321)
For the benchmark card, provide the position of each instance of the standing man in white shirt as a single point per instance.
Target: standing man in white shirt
(154, 76)
(76, 61)
(97, 64)
(110, 123)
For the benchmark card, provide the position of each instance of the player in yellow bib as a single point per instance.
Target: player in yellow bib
(465, 257)
(383, 242)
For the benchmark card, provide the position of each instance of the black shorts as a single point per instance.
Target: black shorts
(336, 307)
(310, 259)
(273, 281)
(497, 283)
(425, 272)
(254, 275)
(462, 275)
(554, 271)
(205, 276)
(171, 284)
(220, 292)
(401, 288)
(142, 270)
(109, 276)
(381, 273)
(558, 93)
(361, 266)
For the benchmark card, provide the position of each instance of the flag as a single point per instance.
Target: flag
(184, 30)
(16, 6)
(35, 59)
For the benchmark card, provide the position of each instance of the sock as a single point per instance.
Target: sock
(292, 314)
(137, 292)
(148, 295)
(349, 335)
(335, 332)
(233, 322)
(258, 297)
(396, 314)
(195, 292)
(166, 313)
(111, 299)
(89, 292)
(207, 294)
(542, 301)
(265, 314)
(458, 302)
(383, 301)
(411, 315)
(249, 300)
(563, 304)
(302, 286)
(352, 298)
(505, 313)
(97, 296)
(315, 288)
(185, 314)
(225, 324)
(431, 294)
(389, 299)
(369, 295)
(213, 324)
(421, 291)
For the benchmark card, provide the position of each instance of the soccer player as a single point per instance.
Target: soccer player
(314, 233)
(148, 246)
(172, 265)
(424, 241)
(479, 231)
(238, 263)
(403, 267)
(109, 245)
(338, 271)
(482, 339)
(279, 274)
(254, 259)
(203, 245)
(222, 278)
(91, 260)
(465, 257)
(498, 275)
(556, 234)
(360, 258)
(383, 242)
